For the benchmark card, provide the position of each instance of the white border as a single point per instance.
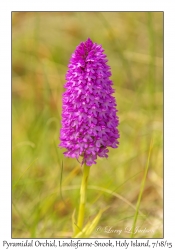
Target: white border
(5, 94)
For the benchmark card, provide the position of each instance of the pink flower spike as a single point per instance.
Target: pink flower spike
(89, 119)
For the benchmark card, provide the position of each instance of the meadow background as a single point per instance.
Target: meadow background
(42, 44)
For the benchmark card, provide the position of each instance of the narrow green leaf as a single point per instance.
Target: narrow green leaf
(141, 190)
(82, 234)
(73, 221)
(95, 222)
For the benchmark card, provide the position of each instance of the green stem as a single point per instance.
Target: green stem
(83, 189)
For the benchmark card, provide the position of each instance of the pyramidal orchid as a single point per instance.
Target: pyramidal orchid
(89, 120)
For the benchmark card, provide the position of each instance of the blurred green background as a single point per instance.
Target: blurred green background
(42, 44)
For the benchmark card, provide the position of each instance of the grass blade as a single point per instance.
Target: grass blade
(141, 190)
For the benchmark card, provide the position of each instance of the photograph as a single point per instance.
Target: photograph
(87, 111)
